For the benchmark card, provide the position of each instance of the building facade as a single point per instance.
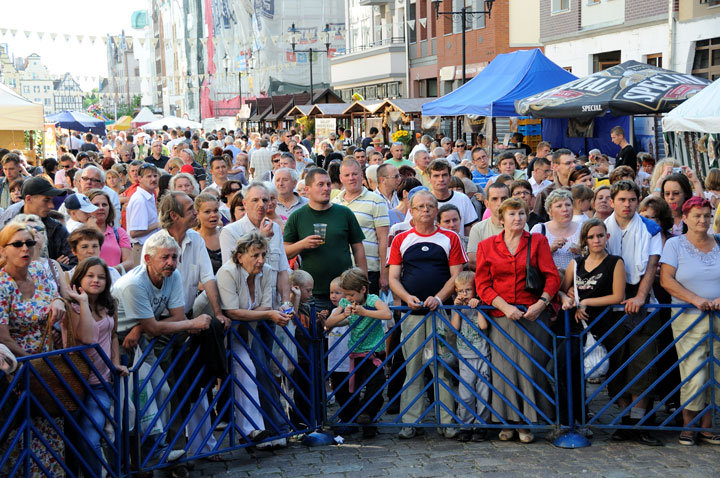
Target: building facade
(36, 84)
(587, 36)
(374, 62)
(67, 94)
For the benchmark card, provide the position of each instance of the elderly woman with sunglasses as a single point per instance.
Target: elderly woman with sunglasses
(28, 300)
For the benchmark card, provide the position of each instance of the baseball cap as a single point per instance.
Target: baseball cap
(79, 201)
(187, 168)
(416, 190)
(39, 186)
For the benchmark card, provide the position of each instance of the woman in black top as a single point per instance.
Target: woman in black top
(598, 283)
(209, 225)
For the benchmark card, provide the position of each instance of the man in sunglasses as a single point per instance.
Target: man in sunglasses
(67, 162)
(38, 194)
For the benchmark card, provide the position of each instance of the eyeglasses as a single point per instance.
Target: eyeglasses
(275, 161)
(67, 166)
(424, 207)
(18, 244)
(92, 180)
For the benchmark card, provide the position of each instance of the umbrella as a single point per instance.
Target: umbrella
(122, 124)
(143, 117)
(171, 122)
(77, 121)
(630, 88)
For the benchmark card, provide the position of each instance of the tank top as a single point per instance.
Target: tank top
(596, 283)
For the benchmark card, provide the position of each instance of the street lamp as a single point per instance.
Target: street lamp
(463, 13)
(293, 41)
(228, 63)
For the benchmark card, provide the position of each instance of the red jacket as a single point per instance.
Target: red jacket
(499, 273)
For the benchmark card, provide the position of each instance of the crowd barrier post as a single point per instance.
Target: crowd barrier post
(570, 438)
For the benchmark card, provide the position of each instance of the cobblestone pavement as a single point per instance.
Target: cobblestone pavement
(433, 456)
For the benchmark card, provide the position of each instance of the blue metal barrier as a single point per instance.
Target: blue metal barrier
(35, 439)
(437, 339)
(514, 375)
(631, 382)
(269, 394)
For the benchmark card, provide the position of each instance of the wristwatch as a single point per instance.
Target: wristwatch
(545, 301)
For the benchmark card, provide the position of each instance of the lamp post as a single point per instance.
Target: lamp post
(310, 51)
(463, 13)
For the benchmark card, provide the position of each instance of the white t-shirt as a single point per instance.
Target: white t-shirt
(141, 213)
(468, 214)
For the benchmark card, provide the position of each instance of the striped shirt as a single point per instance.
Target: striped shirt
(371, 212)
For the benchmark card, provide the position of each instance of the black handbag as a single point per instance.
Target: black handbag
(534, 280)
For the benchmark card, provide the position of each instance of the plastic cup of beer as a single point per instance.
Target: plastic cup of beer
(320, 230)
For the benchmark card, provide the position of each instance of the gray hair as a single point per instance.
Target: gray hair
(371, 172)
(189, 152)
(100, 171)
(170, 203)
(160, 240)
(594, 152)
(24, 219)
(423, 193)
(293, 173)
(271, 189)
(253, 185)
(248, 241)
(438, 153)
(555, 196)
(190, 177)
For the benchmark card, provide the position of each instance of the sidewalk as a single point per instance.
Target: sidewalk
(433, 456)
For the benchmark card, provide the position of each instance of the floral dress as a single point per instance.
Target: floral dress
(26, 319)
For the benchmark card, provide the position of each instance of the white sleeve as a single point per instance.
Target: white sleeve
(137, 216)
(656, 245)
(469, 212)
(227, 243)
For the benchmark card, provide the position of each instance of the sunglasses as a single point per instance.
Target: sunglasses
(18, 244)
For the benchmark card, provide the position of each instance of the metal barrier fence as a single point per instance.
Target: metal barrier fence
(440, 369)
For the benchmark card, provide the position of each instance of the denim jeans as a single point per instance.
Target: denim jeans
(88, 436)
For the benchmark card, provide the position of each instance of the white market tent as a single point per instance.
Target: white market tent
(171, 122)
(700, 114)
(18, 113)
(143, 117)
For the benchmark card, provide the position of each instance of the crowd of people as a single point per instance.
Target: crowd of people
(179, 235)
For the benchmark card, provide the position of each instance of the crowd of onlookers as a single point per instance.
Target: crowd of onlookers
(179, 235)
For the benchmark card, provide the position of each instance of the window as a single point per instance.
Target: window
(412, 26)
(557, 6)
(707, 59)
(479, 19)
(457, 6)
(603, 61)
(654, 60)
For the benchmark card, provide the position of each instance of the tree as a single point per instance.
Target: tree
(91, 98)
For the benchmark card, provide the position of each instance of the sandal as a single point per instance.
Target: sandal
(526, 436)
(687, 439)
(711, 438)
(506, 435)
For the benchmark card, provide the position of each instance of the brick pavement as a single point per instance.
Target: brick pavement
(432, 456)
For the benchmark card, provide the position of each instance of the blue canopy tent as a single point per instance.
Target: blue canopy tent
(509, 77)
(77, 121)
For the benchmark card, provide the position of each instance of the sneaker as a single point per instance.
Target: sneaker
(687, 438)
(645, 438)
(221, 426)
(448, 432)
(464, 435)
(622, 434)
(479, 435)
(410, 432)
(712, 438)
(272, 444)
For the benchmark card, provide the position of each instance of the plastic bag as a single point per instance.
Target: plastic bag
(146, 393)
(594, 357)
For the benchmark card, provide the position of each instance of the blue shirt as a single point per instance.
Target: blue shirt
(482, 179)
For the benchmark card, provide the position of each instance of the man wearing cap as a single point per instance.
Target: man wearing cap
(80, 210)
(38, 194)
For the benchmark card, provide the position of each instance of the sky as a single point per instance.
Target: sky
(73, 17)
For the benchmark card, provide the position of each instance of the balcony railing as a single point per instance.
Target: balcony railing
(372, 45)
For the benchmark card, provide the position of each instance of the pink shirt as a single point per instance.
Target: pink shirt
(102, 335)
(110, 251)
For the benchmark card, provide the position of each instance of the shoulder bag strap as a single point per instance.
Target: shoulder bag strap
(717, 239)
(577, 297)
(529, 251)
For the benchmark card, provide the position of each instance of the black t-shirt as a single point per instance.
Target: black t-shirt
(89, 147)
(158, 163)
(627, 157)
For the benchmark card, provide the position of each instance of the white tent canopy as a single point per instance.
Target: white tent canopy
(701, 113)
(18, 113)
(171, 122)
(143, 117)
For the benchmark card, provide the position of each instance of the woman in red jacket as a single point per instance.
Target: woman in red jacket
(525, 343)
